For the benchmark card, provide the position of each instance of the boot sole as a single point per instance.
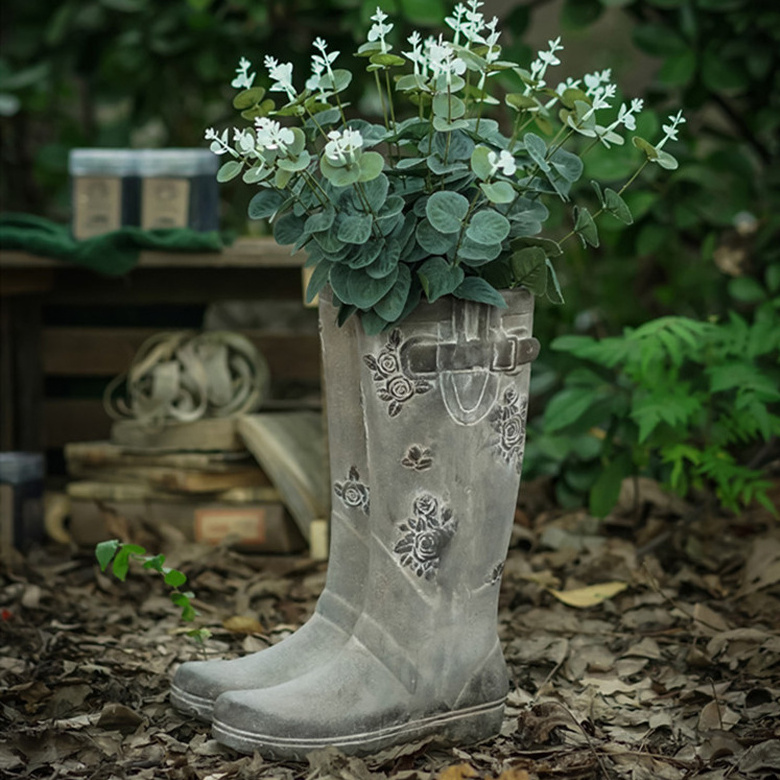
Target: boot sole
(191, 704)
(461, 727)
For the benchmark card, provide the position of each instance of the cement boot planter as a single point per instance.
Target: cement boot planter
(445, 398)
(197, 684)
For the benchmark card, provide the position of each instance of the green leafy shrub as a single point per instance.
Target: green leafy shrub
(682, 400)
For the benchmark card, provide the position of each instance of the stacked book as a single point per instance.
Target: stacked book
(199, 477)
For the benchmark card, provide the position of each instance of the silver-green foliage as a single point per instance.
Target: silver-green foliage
(441, 202)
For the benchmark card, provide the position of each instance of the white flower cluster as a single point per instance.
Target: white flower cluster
(505, 162)
(436, 57)
(243, 79)
(670, 130)
(544, 60)
(343, 146)
(469, 22)
(380, 29)
(320, 63)
(268, 135)
(281, 75)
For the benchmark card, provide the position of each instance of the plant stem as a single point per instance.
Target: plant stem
(631, 180)
(382, 99)
(464, 223)
(390, 98)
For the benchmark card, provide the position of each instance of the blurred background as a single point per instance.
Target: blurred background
(703, 246)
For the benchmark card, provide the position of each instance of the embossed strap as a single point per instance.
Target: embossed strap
(475, 338)
(337, 610)
(387, 651)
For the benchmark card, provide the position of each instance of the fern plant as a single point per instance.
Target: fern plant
(676, 398)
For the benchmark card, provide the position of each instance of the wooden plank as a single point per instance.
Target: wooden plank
(74, 419)
(144, 286)
(21, 281)
(78, 351)
(258, 525)
(291, 449)
(25, 326)
(248, 252)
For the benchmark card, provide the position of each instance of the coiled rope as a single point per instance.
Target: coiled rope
(186, 376)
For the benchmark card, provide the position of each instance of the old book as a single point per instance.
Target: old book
(253, 520)
(207, 435)
(100, 454)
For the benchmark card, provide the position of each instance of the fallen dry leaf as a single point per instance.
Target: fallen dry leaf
(514, 774)
(458, 772)
(623, 691)
(589, 596)
(242, 624)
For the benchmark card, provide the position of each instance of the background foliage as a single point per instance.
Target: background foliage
(703, 246)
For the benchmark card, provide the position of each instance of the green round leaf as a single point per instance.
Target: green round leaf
(480, 164)
(288, 228)
(475, 253)
(529, 269)
(488, 227)
(498, 192)
(365, 291)
(370, 165)
(355, 228)
(265, 204)
(229, 170)
(617, 207)
(390, 307)
(175, 578)
(438, 277)
(445, 211)
(472, 288)
(248, 98)
(433, 241)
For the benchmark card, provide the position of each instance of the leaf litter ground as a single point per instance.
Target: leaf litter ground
(645, 647)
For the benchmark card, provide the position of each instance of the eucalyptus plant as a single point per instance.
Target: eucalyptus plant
(443, 201)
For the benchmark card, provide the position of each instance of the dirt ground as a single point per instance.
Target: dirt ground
(668, 670)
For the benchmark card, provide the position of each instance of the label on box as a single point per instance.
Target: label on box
(165, 203)
(97, 205)
(213, 525)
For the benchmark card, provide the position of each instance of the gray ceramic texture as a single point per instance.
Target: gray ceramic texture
(197, 684)
(445, 397)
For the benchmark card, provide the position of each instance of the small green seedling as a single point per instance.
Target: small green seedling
(119, 554)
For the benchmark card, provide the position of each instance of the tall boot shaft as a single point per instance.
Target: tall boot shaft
(198, 684)
(446, 396)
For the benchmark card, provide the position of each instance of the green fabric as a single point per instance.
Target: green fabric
(113, 253)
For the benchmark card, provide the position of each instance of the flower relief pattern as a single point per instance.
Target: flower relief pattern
(426, 535)
(352, 492)
(508, 423)
(392, 384)
(418, 458)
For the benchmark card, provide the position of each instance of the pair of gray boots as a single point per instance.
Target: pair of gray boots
(426, 429)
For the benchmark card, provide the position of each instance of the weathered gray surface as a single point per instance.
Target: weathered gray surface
(197, 685)
(445, 398)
